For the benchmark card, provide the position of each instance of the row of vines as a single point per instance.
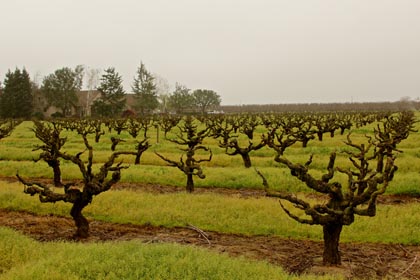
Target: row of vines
(372, 162)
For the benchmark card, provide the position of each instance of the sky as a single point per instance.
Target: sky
(249, 52)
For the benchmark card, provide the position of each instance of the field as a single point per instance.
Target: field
(226, 217)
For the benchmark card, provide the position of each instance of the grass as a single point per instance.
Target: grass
(278, 176)
(16, 154)
(23, 258)
(228, 214)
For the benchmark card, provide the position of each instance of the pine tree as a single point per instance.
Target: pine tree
(16, 98)
(112, 101)
(144, 88)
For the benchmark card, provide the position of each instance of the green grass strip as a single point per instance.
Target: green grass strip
(16, 154)
(228, 214)
(23, 258)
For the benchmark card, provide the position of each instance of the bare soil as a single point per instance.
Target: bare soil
(359, 260)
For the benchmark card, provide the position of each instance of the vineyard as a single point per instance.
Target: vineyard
(216, 181)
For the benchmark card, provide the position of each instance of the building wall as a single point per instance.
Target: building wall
(82, 109)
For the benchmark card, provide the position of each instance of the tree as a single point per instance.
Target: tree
(92, 77)
(49, 134)
(163, 91)
(235, 144)
(364, 183)
(16, 99)
(205, 99)
(134, 126)
(112, 101)
(181, 99)
(192, 138)
(117, 124)
(325, 123)
(7, 126)
(302, 129)
(144, 88)
(60, 88)
(93, 183)
(167, 122)
(278, 140)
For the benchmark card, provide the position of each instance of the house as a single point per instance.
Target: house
(83, 108)
(86, 99)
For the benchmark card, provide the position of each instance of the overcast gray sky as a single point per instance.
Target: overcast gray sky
(250, 52)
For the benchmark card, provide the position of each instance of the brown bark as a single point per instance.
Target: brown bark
(247, 159)
(57, 174)
(141, 147)
(305, 142)
(190, 183)
(320, 135)
(80, 221)
(331, 255)
(137, 160)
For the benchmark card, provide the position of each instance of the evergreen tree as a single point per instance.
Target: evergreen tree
(16, 98)
(60, 88)
(112, 101)
(144, 88)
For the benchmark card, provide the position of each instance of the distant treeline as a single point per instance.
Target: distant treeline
(324, 107)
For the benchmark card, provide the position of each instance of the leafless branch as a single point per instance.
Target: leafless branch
(200, 231)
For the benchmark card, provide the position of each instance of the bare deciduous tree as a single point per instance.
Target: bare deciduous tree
(7, 126)
(93, 183)
(92, 77)
(233, 144)
(49, 134)
(134, 126)
(191, 137)
(364, 183)
(167, 122)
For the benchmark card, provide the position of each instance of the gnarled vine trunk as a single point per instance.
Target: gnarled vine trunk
(331, 255)
(141, 147)
(320, 136)
(57, 174)
(80, 221)
(190, 183)
(246, 159)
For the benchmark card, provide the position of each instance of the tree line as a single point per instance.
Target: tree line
(21, 97)
(400, 105)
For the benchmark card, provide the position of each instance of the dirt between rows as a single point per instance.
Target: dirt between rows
(359, 260)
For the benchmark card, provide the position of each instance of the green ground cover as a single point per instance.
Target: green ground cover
(228, 214)
(16, 154)
(23, 258)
